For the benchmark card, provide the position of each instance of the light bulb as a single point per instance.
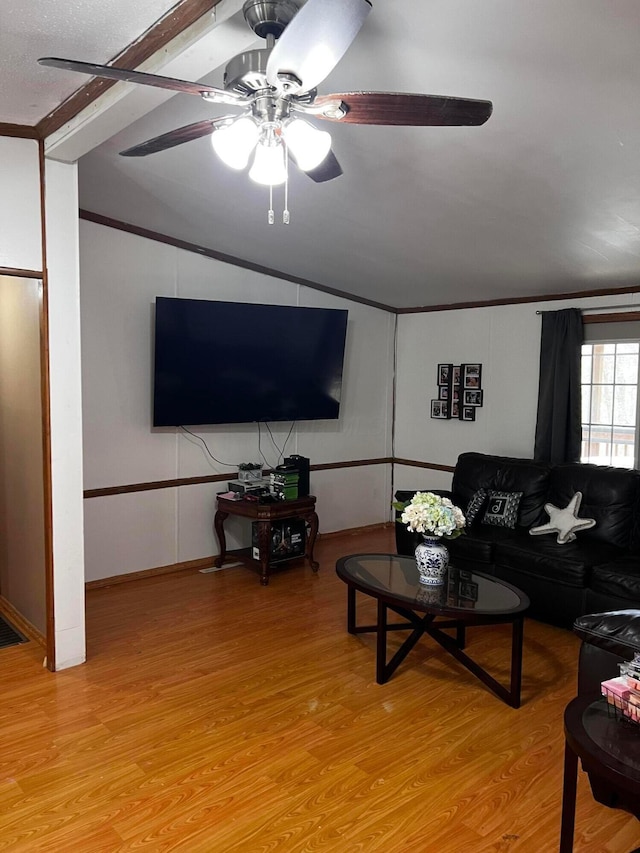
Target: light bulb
(234, 143)
(268, 165)
(308, 145)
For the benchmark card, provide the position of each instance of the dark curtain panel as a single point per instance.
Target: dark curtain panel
(558, 430)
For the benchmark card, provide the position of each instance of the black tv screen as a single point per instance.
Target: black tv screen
(236, 362)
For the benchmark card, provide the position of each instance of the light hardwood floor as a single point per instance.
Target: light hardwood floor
(218, 716)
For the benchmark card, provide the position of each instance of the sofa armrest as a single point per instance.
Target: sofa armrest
(617, 631)
(607, 640)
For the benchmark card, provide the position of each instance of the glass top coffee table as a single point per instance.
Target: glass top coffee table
(466, 598)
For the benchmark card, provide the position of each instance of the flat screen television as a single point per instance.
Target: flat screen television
(236, 362)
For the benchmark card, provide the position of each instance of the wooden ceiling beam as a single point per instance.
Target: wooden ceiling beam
(178, 19)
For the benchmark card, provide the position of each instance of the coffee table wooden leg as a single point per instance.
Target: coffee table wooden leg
(351, 610)
(569, 788)
(381, 643)
(517, 634)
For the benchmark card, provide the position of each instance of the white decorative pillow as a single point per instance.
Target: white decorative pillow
(564, 521)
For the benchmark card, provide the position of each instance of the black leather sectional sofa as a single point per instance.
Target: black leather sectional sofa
(599, 571)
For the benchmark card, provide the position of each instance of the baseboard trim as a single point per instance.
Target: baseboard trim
(207, 562)
(186, 566)
(353, 531)
(23, 625)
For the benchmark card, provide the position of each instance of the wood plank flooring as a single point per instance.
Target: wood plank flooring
(218, 716)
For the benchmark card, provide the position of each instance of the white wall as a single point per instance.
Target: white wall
(506, 341)
(20, 214)
(121, 275)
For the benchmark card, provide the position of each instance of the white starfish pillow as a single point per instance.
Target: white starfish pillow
(564, 522)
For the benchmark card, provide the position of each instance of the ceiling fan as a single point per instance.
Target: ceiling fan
(274, 89)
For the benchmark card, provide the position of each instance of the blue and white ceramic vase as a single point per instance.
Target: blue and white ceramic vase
(432, 559)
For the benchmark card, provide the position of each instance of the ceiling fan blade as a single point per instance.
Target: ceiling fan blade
(402, 109)
(129, 76)
(314, 42)
(327, 170)
(176, 137)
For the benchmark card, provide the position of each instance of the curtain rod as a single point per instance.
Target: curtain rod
(602, 308)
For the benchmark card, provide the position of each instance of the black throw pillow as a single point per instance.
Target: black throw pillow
(502, 508)
(475, 505)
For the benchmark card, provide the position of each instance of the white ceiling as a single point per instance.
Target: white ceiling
(542, 199)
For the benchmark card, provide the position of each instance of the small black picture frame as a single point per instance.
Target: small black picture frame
(455, 409)
(456, 374)
(440, 409)
(443, 392)
(471, 376)
(467, 413)
(472, 397)
(445, 372)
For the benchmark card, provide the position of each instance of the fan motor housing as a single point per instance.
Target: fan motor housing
(270, 17)
(246, 73)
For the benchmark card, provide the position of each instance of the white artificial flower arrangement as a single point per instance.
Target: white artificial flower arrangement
(432, 515)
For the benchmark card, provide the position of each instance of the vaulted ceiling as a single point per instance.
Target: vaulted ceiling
(543, 199)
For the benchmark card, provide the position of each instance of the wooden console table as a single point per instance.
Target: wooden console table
(265, 514)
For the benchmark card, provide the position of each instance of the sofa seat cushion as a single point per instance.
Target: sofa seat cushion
(568, 564)
(477, 545)
(620, 579)
(617, 631)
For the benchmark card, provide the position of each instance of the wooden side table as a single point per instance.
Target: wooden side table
(609, 750)
(265, 514)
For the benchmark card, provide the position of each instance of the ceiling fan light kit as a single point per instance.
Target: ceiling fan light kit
(304, 43)
(235, 142)
(269, 164)
(308, 145)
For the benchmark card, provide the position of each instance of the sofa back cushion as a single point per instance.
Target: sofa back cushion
(481, 471)
(609, 495)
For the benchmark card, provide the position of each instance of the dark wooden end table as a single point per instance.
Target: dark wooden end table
(609, 750)
(466, 598)
(265, 514)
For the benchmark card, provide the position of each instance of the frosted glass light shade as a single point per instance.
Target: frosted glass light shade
(234, 143)
(307, 144)
(268, 165)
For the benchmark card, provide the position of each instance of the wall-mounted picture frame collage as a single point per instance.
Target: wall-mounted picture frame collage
(460, 392)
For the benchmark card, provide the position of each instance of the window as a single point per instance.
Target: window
(610, 403)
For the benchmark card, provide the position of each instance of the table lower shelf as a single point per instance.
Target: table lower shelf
(245, 556)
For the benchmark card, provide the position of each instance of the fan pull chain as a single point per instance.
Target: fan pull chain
(285, 213)
(271, 217)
